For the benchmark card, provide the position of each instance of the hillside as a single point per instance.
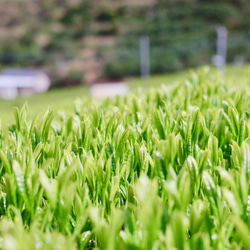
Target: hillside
(84, 40)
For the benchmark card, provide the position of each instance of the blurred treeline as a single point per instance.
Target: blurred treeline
(87, 40)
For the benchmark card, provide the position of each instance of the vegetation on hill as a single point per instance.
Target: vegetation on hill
(100, 38)
(182, 34)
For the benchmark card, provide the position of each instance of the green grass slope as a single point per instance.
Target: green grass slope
(63, 98)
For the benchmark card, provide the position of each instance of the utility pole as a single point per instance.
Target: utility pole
(144, 56)
(219, 60)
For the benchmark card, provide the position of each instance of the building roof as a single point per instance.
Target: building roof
(19, 78)
(21, 72)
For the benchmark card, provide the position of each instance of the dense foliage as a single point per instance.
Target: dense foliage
(182, 34)
(164, 169)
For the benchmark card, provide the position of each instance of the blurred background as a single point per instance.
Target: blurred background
(86, 41)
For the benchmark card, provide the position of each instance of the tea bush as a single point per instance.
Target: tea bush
(167, 168)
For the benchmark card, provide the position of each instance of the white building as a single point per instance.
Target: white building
(22, 81)
(104, 90)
